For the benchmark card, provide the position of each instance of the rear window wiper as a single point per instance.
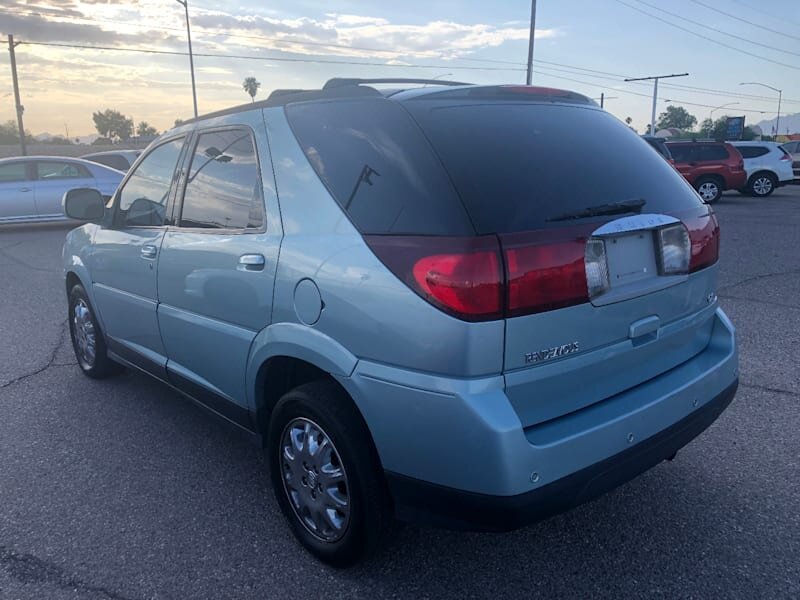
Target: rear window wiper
(613, 208)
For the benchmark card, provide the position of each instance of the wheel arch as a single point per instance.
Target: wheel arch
(286, 355)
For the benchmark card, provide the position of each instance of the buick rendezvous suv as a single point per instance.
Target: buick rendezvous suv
(414, 299)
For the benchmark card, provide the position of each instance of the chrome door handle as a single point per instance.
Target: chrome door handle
(251, 262)
(26, 189)
(149, 252)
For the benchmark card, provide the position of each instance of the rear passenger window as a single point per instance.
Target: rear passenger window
(14, 171)
(115, 161)
(752, 151)
(223, 189)
(711, 152)
(378, 165)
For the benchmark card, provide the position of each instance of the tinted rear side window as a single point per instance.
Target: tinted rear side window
(223, 190)
(378, 165)
(752, 151)
(519, 167)
(711, 152)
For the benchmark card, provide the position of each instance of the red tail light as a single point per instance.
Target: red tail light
(786, 155)
(489, 277)
(544, 274)
(704, 235)
(462, 276)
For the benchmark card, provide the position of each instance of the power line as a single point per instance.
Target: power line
(708, 39)
(720, 31)
(727, 14)
(267, 58)
(763, 12)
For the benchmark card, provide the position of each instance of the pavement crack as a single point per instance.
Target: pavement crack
(765, 388)
(758, 301)
(757, 278)
(28, 568)
(51, 361)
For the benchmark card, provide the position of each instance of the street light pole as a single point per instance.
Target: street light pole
(185, 4)
(529, 75)
(780, 94)
(655, 94)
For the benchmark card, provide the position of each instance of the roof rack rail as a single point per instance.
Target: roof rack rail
(337, 82)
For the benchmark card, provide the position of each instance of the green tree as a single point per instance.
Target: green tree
(677, 117)
(144, 129)
(113, 124)
(251, 85)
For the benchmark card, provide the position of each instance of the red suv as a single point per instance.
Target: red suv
(711, 167)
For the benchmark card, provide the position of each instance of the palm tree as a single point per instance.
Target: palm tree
(251, 85)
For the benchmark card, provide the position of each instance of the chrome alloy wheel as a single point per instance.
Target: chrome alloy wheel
(83, 334)
(314, 479)
(762, 186)
(708, 190)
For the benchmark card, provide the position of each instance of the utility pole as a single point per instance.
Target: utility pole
(655, 94)
(191, 57)
(603, 99)
(529, 77)
(17, 104)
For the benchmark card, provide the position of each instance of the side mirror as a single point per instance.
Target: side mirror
(84, 204)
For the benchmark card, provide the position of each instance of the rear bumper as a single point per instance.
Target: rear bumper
(448, 442)
(424, 502)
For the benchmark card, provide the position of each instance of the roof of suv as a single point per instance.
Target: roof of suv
(361, 88)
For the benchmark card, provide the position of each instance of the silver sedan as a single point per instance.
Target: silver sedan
(31, 187)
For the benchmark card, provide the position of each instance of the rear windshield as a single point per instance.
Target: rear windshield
(459, 168)
(521, 167)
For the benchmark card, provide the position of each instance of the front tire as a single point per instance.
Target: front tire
(762, 185)
(709, 188)
(326, 474)
(87, 338)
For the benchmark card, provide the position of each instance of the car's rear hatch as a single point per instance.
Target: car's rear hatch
(591, 226)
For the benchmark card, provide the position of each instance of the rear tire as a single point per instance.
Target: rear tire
(87, 338)
(762, 184)
(709, 188)
(326, 475)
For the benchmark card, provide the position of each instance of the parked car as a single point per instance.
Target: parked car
(416, 325)
(32, 187)
(768, 166)
(660, 146)
(121, 160)
(711, 167)
(793, 148)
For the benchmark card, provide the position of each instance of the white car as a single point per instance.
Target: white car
(768, 166)
(31, 187)
(793, 148)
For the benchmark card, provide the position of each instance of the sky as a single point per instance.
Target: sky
(589, 46)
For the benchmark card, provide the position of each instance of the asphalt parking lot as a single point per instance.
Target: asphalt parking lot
(120, 489)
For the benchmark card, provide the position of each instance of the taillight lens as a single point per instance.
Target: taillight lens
(674, 249)
(704, 236)
(544, 274)
(462, 276)
(786, 155)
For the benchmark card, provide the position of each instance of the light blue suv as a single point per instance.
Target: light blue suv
(471, 306)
